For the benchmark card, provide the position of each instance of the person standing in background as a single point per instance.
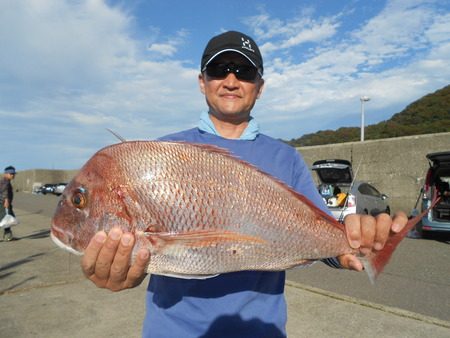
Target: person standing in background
(6, 198)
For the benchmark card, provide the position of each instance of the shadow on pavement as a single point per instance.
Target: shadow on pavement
(442, 237)
(37, 235)
(12, 287)
(20, 262)
(37, 212)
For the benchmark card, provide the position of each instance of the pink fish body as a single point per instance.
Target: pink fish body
(199, 210)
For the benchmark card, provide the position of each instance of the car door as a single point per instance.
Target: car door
(371, 200)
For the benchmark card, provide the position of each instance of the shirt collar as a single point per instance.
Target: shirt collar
(249, 134)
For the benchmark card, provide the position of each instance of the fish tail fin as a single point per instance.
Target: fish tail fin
(375, 262)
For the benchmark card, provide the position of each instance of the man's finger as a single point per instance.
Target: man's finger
(138, 270)
(353, 230)
(121, 263)
(383, 230)
(107, 253)
(91, 253)
(368, 231)
(399, 221)
(351, 262)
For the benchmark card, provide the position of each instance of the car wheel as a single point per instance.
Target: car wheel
(415, 232)
(421, 233)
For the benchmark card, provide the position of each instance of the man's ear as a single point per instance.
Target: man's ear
(261, 87)
(201, 82)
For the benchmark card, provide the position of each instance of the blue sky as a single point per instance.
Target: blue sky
(70, 69)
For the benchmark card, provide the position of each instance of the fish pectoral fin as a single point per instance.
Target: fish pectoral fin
(302, 263)
(201, 238)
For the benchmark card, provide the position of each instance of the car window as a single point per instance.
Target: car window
(367, 189)
(445, 179)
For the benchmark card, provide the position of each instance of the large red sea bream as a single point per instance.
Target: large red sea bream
(199, 210)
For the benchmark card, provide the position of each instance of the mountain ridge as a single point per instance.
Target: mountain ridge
(427, 115)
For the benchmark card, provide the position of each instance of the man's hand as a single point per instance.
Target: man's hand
(106, 261)
(368, 234)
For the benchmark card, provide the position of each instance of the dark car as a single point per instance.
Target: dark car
(345, 196)
(48, 188)
(437, 182)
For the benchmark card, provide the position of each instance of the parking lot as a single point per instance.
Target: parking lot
(45, 295)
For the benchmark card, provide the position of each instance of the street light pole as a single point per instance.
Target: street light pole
(363, 99)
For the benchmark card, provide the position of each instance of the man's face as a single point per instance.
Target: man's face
(230, 99)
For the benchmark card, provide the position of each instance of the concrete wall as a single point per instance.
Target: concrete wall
(25, 180)
(396, 166)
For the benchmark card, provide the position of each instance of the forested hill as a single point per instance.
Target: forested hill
(430, 114)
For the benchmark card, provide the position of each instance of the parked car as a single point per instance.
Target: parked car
(59, 188)
(345, 196)
(437, 181)
(48, 188)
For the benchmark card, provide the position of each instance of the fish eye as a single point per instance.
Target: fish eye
(79, 199)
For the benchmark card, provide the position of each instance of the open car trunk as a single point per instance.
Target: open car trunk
(437, 181)
(335, 176)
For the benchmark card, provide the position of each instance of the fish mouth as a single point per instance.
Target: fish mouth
(63, 239)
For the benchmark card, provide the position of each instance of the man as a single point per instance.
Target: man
(238, 304)
(6, 197)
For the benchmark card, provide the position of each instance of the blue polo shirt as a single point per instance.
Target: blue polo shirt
(238, 304)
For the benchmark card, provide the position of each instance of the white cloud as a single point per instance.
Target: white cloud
(396, 32)
(170, 47)
(60, 43)
(88, 119)
(163, 49)
(396, 57)
(79, 56)
(438, 31)
(291, 33)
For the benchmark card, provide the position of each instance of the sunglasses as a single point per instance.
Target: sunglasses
(242, 72)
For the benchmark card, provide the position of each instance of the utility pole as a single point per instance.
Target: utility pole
(363, 99)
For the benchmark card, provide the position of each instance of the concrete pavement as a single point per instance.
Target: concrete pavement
(43, 294)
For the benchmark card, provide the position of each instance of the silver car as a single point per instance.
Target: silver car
(344, 196)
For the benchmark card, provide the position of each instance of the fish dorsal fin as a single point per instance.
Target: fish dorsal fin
(206, 147)
(121, 139)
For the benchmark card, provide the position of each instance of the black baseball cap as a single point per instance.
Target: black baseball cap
(233, 41)
(10, 170)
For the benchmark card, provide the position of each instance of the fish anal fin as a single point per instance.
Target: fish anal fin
(186, 276)
(302, 263)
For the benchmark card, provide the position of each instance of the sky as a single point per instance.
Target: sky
(70, 69)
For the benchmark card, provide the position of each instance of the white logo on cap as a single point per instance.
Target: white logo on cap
(247, 45)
